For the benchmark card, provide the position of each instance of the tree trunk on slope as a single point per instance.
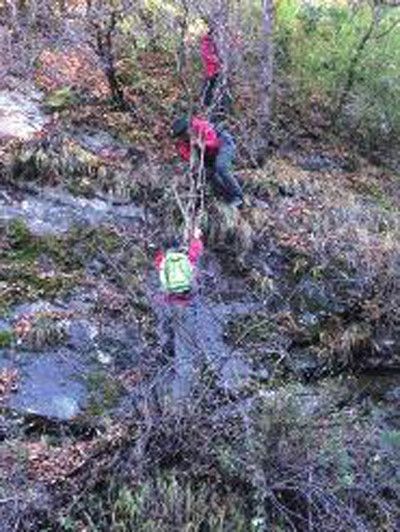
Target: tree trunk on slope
(106, 53)
(266, 79)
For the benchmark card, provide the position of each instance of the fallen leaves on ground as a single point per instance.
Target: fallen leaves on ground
(8, 382)
(54, 464)
(51, 464)
(112, 299)
(74, 67)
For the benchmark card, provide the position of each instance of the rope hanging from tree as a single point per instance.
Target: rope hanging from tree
(192, 207)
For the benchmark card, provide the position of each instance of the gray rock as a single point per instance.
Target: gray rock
(309, 319)
(394, 395)
(20, 114)
(121, 342)
(4, 325)
(55, 212)
(95, 267)
(82, 335)
(82, 300)
(304, 363)
(51, 386)
(235, 373)
(294, 401)
(313, 297)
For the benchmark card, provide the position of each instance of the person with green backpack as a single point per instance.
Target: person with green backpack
(176, 267)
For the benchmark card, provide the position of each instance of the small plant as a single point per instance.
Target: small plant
(105, 392)
(60, 99)
(19, 234)
(6, 339)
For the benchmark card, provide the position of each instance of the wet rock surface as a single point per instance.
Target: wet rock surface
(56, 212)
(195, 333)
(194, 336)
(21, 116)
(56, 371)
(51, 385)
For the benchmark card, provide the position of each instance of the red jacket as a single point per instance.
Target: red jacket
(204, 134)
(209, 56)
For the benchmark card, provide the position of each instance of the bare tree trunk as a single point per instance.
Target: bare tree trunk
(267, 79)
(105, 51)
(182, 28)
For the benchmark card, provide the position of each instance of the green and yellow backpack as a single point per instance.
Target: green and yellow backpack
(177, 274)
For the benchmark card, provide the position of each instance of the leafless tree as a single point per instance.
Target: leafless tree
(266, 77)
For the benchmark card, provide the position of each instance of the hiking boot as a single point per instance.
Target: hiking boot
(236, 202)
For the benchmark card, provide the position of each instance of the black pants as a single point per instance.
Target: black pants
(219, 169)
(207, 93)
(215, 97)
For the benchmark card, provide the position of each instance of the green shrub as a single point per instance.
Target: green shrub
(321, 50)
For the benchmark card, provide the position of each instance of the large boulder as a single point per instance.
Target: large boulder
(50, 386)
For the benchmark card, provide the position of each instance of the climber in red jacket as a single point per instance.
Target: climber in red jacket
(219, 152)
(212, 65)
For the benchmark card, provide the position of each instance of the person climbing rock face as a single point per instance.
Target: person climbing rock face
(212, 65)
(219, 152)
(177, 267)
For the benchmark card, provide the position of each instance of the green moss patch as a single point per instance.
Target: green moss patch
(104, 391)
(22, 277)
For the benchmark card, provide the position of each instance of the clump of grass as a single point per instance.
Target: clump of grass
(250, 328)
(19, 234)
(46, 330)
(104, 390)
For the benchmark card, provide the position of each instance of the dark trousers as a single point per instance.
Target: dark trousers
(215, 97)
(219, 169)
(207, 93)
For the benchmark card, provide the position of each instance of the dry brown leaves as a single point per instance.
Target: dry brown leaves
(73, 67)
(25, 323)
(111, 298)
(8, 382)
(55, 464)
(157, 90)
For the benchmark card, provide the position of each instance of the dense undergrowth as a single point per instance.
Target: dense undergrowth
(343, 64)
(283, 454)
(305, 445)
